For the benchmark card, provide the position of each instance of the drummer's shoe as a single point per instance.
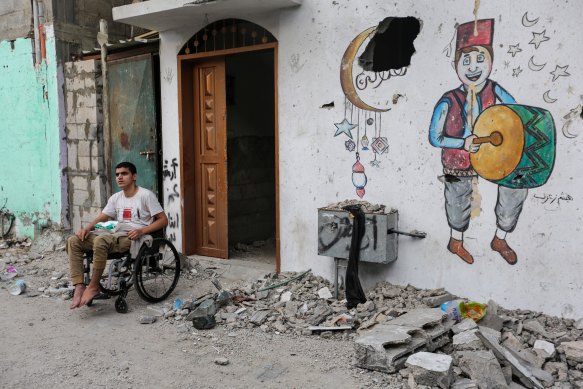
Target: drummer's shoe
(457, 247)
(502, 247)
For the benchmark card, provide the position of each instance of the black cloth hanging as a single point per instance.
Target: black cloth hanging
(354, 293)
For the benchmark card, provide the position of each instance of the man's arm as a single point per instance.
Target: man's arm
(82, 233)
(160, 221)
(503, 96)
(437, 135)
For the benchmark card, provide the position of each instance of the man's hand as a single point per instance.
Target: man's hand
(469, 146)
(136, 234)
(82, 233)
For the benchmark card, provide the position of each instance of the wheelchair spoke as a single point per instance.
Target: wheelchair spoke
(157, 271)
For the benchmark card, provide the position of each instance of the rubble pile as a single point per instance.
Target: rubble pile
(398, 330)
(365, 205)
(401, 330)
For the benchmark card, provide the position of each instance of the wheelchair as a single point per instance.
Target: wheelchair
(155, 272)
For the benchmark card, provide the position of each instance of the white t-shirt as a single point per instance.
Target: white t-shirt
(137, 211)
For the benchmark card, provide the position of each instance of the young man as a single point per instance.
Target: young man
(141, 214)
(452, 130)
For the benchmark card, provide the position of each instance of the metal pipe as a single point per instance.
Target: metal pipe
(35, 28)
(102, 38)
(41, 32)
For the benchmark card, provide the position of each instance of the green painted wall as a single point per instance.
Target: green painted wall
(30, 172)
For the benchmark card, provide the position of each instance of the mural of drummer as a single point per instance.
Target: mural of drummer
(451, 130)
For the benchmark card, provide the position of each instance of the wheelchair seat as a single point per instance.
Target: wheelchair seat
(155, 272)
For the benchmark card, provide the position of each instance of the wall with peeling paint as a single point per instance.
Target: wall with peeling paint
(315, 167)
(30, 166)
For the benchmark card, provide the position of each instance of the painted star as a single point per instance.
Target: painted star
(516, 71)
(506, 64)
(344, 127)
(375, 163)
(570, 90)
(538, 38)
(513, 49)
(560, 71)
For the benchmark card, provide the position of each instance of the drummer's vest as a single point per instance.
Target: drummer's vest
(457, 161)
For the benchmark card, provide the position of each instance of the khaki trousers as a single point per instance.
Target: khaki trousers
(100, 244)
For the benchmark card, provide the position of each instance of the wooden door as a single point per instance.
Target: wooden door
(132, 113)
(210, 158)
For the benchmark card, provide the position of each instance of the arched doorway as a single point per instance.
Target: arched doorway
(228, 115)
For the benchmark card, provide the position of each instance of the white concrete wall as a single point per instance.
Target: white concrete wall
(315, 167)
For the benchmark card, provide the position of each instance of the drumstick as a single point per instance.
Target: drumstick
(495, 139)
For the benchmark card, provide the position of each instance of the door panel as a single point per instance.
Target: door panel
(210, 158)
(132, 111)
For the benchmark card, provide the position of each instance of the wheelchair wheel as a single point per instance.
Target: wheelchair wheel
(121, 306)
(157, 270)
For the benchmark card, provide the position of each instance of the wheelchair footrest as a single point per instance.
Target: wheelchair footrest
(102, 296)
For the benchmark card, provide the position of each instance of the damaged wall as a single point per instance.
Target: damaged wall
(29, 152)
(84, 129)
(536, 59)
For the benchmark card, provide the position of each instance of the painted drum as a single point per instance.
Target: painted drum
(518, 145)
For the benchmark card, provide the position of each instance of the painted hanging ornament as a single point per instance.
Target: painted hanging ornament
(358, 177)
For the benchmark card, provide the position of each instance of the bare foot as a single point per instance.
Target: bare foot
(76, 303)
(88, 295)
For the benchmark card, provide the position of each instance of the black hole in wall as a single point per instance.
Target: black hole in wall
(391, 47)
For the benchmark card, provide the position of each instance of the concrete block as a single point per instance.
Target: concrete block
(84, 148)
(72, 156)
(574, 350)
(482, 367)
(84, 164)
(387, 345)
(535, 327)
(93, 131)
(97, 164)
(96, 151)
(544, 349)
(436, 301)
(259, 317)
(465, 325)
(79, 182)
(98, 192)
(80, 197)
(75, 219)
(92, 212)
(86, 114)
(467, 340)
(431, 369)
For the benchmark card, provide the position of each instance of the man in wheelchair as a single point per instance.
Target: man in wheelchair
(137, 212)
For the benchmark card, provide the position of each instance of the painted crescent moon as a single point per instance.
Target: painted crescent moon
(346, 65)
(547, 98)
(534, 67)
(526, 22)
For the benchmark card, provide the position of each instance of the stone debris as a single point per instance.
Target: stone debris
(464, 325)
(573, 351)
(521, 341)
(222, 361)
(147, 319)
(324, 293)
(387, 346)
(431, 369)
(467, 340)
(544, 349)
(365, 205)
(482, 367)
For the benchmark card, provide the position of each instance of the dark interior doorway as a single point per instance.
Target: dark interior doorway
(250, 101)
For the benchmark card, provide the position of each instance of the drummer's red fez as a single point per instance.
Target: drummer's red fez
(466, 34)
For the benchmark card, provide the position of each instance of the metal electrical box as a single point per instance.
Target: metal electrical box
(377, 245)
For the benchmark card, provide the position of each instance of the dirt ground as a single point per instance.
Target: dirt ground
(44, 344)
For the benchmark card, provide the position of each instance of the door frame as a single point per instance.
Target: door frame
(185, 63)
